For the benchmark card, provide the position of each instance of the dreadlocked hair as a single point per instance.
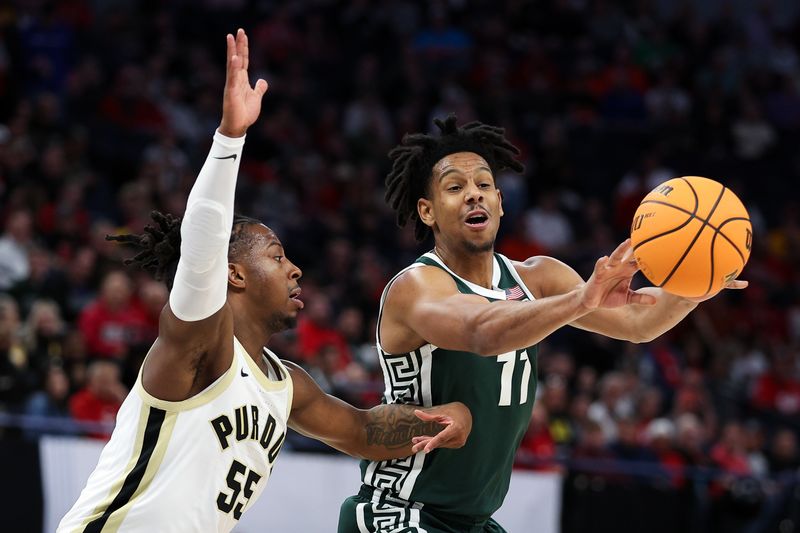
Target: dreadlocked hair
(160, 244)
(413, 160)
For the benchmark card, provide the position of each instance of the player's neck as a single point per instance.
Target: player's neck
(251, 334)
(473, 266)
(253, 348)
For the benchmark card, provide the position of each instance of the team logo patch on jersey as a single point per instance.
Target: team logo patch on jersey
(515, 293)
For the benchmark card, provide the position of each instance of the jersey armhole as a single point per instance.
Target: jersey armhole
(384, 294)
(213, 390)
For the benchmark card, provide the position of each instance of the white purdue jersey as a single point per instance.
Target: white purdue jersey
(188, 466)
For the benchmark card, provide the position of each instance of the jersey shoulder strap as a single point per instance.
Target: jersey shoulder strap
(512, 272)
(431, 259)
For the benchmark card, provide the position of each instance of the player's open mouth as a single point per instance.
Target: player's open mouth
(294, 296)
(477, 219)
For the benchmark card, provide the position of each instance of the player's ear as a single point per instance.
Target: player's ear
(425, 211)
(500, 198)
(236, 276)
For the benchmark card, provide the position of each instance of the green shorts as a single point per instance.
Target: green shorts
(379, 513)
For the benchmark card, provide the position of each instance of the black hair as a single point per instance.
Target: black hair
(160, 244)
(413, 160)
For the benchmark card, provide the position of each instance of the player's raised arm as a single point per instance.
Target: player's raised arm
(383, 432)
(200, 285)
(194, 323)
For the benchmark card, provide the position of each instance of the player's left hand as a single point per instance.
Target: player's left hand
(241, 103)
(457, 420)
(733, 284)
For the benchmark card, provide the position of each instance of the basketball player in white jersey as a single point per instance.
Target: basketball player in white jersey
(197, 437)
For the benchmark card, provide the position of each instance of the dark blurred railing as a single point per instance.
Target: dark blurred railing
(30, 424)
(615, 496)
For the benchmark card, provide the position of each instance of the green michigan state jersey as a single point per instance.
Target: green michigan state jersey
(499, 390)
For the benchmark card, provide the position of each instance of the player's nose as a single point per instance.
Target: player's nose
(473, 194)
(294, 271)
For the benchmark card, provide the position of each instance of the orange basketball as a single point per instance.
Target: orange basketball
(691, 235)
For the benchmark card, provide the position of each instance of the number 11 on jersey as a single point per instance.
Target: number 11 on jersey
(509, 361)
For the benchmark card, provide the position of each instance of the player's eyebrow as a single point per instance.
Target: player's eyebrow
(274, 242)
(455, 169)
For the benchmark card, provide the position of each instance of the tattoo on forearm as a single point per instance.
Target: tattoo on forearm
(394, 426)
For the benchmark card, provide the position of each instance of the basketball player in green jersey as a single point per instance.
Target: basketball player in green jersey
(463, 323)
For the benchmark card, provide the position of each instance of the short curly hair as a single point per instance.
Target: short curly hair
(413, 160)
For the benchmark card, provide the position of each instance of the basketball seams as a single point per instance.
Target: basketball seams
(713, 242)
(697, 235)
(679, 208)
(735, 247)
(696, 198)
(730, 241)
(733, 219)
(692, 216)
(718, 229)
(711, 250)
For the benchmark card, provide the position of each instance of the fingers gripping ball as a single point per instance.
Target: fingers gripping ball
(691, 236)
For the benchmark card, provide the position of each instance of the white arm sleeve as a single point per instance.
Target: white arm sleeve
(201, 280)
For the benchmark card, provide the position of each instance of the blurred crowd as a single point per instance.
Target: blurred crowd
(107, 111)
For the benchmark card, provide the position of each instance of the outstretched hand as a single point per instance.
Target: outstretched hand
(733, 284)
(457, 420)
(610, 283)
(241, 103)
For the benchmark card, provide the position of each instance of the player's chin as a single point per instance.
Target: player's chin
(292, 312)
(479, 245)
(281, 321)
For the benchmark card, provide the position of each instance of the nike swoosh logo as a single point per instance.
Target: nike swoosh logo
(243, 374)
(232, 156)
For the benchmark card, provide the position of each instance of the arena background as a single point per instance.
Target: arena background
(106, 112)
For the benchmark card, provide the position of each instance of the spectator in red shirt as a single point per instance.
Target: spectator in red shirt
(779, 389)
(114, 322)
(517, 243)
(538, 449)
(315, 331)
(101, 398)
(730, 453)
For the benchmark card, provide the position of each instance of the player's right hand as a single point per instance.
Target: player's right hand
(241, 103)
(457, 419)
(610, 283)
